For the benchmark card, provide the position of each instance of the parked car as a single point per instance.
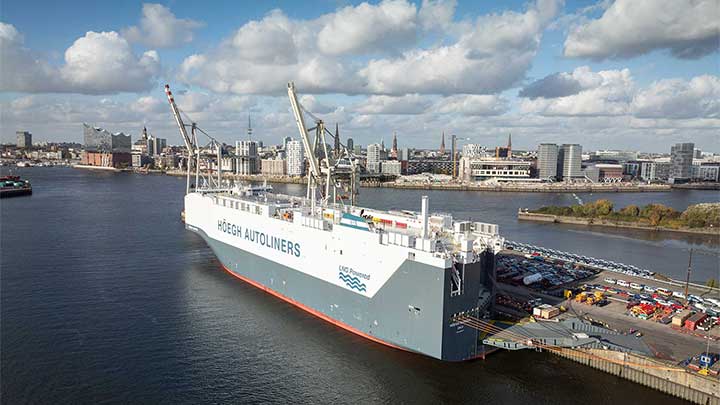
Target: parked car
(678, 294)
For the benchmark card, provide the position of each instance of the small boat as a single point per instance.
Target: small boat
(14, 186)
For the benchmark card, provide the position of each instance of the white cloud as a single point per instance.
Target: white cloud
(482, 105)
(262, 56)
(688, 28)
(493, 55)
(488, 56)
(407, 104)
(104, 63)
(148, 104)
(677, 98)
(310, 103)
(97, 63)
(436, 13)
(607, 92)
(391, 24)
(160, 28)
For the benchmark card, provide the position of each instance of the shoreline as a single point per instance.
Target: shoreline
(558, 219)
(455, 186)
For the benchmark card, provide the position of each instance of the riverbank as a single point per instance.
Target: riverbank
(466, 186)
(559, 219)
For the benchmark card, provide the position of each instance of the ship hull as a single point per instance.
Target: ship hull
(412, 311)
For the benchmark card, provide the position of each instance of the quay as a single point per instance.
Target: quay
(559, 219)
(376, 182)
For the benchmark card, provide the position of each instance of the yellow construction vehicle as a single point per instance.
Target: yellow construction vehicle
(568, 294)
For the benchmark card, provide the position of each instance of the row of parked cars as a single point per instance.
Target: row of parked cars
(665, 299)
(538, 273)
(600, 264)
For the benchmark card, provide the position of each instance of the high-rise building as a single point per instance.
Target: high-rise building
(295, 158)
(373, 158)
(570, 161)
(442, 144)
(24, 139)
(473, 150)
(547, 161)
(155, 145)
(350, 145)
(285, 142)
(247, 157)
(681, 157)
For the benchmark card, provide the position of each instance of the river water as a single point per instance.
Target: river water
(104, 297)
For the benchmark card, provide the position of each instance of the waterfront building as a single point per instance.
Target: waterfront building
(246, 153)
(295, 158)
(706, 172)
(435, 166)
(155, 146)
(24, 139)
(101, 148)
(681, 158)
(632, 168)
(374, 158)
(479, 169)
(619, 156)
(569, 163)
(140, 160)
(547, 161)
(273, 167)
(604, 172)
(391, 168)
(655, 171)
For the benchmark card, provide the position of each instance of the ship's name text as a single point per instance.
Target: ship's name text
(261, 238)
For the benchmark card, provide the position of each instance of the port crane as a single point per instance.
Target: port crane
(327, 175)
(193, 146)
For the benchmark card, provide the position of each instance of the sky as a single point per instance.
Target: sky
(624, 74)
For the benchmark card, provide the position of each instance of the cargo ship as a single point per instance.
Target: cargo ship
(399, 278)
(14, 186)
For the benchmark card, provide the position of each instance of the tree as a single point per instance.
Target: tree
(630, 211)
(712, 283)
(603, 207)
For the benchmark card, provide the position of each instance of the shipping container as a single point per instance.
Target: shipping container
(679, 319)
(692, 322)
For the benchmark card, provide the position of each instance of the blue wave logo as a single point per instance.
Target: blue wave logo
(352, 282)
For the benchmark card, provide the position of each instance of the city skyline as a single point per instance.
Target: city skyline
(550, 72)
